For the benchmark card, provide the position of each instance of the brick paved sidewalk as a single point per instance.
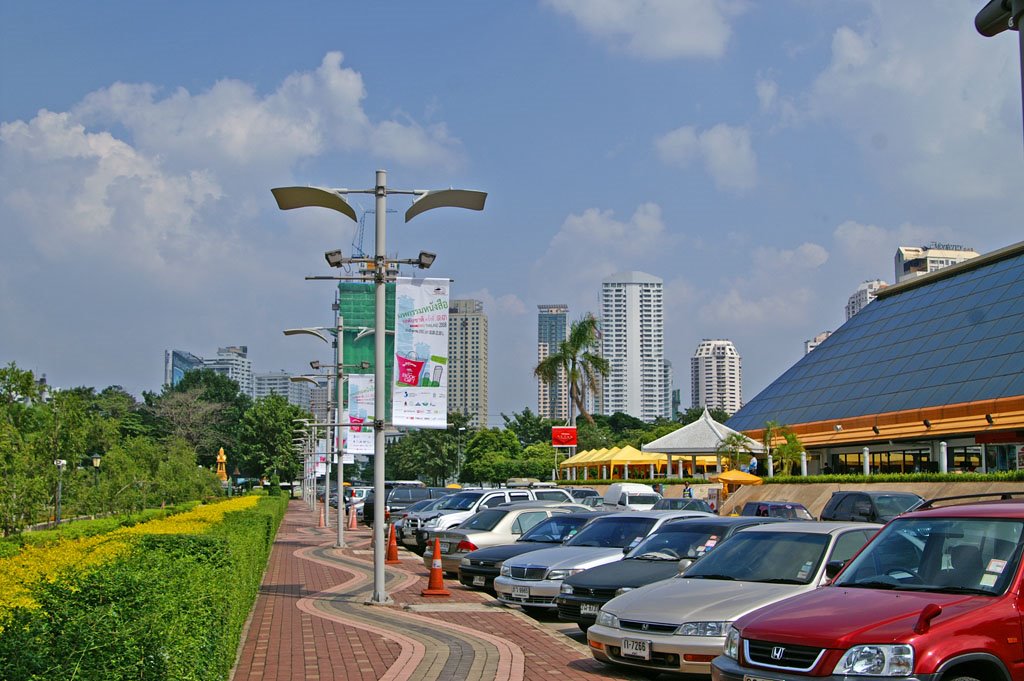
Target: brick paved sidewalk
(312, 621)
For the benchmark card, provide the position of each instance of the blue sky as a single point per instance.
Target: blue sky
(763, 158)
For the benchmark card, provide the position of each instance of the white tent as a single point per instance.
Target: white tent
(702, 437)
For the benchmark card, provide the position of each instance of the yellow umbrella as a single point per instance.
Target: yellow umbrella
(738, 477)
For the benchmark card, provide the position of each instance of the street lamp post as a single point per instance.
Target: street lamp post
(303, 197)
(96, 470)
(458, 456)
(60, 464)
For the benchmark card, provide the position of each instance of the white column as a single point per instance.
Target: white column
(866, 461)
(771, 469)
(943, 461)
(803, 464)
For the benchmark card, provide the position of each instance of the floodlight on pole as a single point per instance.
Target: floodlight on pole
(424, 200)
(1003, 15)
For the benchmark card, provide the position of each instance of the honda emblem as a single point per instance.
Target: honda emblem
(778, 652)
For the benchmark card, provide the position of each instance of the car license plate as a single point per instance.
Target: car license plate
(588, 609)
(632, 647)
(479, 580)
(521, 591)
(747, 677)
(444, 547)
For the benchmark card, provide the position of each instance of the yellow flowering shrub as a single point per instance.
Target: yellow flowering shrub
(74, 556)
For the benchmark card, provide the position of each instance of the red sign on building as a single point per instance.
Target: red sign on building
(563, 436)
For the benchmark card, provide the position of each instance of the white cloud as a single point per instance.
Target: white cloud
(726, 152)
(655, 29)
(934, 110)
(871, 248)
(504, 305)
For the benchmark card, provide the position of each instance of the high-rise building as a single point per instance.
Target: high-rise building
(864, 294)
(467, 360)
(915, 261)
(552, 327)
(281, 383)
(176, 364)
(816, 341)
(717, 376)
(233, 362)
(632, 335)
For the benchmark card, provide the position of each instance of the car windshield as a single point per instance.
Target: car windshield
(420, 505)
(681, 504)
(554, 530)
(613, 532)
(458, 502)
(951, 555)
(770, 510)
(778, 557)
(891, 505)
(484, 520)
(672, 542)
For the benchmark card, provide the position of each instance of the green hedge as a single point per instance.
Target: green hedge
(172, 609)
(1003, 476)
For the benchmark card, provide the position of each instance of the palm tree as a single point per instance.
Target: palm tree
(578, 362)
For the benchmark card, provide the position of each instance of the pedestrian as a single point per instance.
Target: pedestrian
(752, 468)
(687, 492)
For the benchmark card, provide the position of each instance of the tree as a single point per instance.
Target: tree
(734, 446)
(489, 455)
(528, 427)
(787, 455)
(202, 424)
(579, 363)
(265, 439)
(694, 413)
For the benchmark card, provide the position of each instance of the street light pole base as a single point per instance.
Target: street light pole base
(387, 600)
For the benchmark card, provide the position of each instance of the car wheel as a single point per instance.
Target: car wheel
(534, 611)
(963, 678)
(583, 626)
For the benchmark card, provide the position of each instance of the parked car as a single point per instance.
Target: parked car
(581, 493)
(682, 504)
(400, 496)
(409, 522)
(869, 505)
(935, 595)
(534, 580)
(777, 509)
(679, 624)
(462, 504)
(489, 527)
(663, 554)
(593, 502)
(478, 569)
(629, 496)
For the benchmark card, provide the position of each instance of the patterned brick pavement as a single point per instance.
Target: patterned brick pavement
(312, 622)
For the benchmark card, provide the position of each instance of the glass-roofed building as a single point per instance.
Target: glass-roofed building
(934, 363)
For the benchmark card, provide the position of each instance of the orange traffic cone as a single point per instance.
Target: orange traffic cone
(352, 518)
(391, 557)
(321, 523)
(435, 587)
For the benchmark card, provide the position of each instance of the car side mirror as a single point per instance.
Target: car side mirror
(833, 567)
(684, 564)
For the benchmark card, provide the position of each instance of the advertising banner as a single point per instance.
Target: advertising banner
(419, 394)
(563, 436)
(359, 434)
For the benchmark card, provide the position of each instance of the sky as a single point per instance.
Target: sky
(762, 158)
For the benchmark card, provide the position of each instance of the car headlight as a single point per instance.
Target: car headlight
(619, 592)
(606, 619)
(560, 574)
(732, 643)
(877, 660)
(703, 628)
(432, 522)
(464, 562)
(506, 571)
(566, 588)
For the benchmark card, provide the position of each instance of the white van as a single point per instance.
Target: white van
(630, 496)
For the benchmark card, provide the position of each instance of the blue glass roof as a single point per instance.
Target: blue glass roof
(950, 338)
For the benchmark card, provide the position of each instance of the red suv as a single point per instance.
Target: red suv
(936, 595)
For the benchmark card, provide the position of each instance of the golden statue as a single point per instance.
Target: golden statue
(222, 473)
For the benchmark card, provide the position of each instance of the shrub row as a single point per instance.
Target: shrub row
(1001, 476)
(171, 605)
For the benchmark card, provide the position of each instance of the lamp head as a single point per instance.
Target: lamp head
(314, 365)
(426, 259)
(839, 427)
(96, 460)
(334, 258)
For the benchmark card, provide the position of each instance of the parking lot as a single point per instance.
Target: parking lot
(312, 621)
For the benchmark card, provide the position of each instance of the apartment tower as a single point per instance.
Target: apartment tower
(552, 327)
(716, 376)
(467, 360)
(633, 332)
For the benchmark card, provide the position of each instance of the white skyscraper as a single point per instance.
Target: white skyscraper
(233, 361)
(467, 360)
(717, 376)
(864, 294)
(915, 261)
(633, 333)
(816, 341)
(281, 383)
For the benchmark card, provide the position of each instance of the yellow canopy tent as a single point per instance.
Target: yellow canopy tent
(630, 457)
